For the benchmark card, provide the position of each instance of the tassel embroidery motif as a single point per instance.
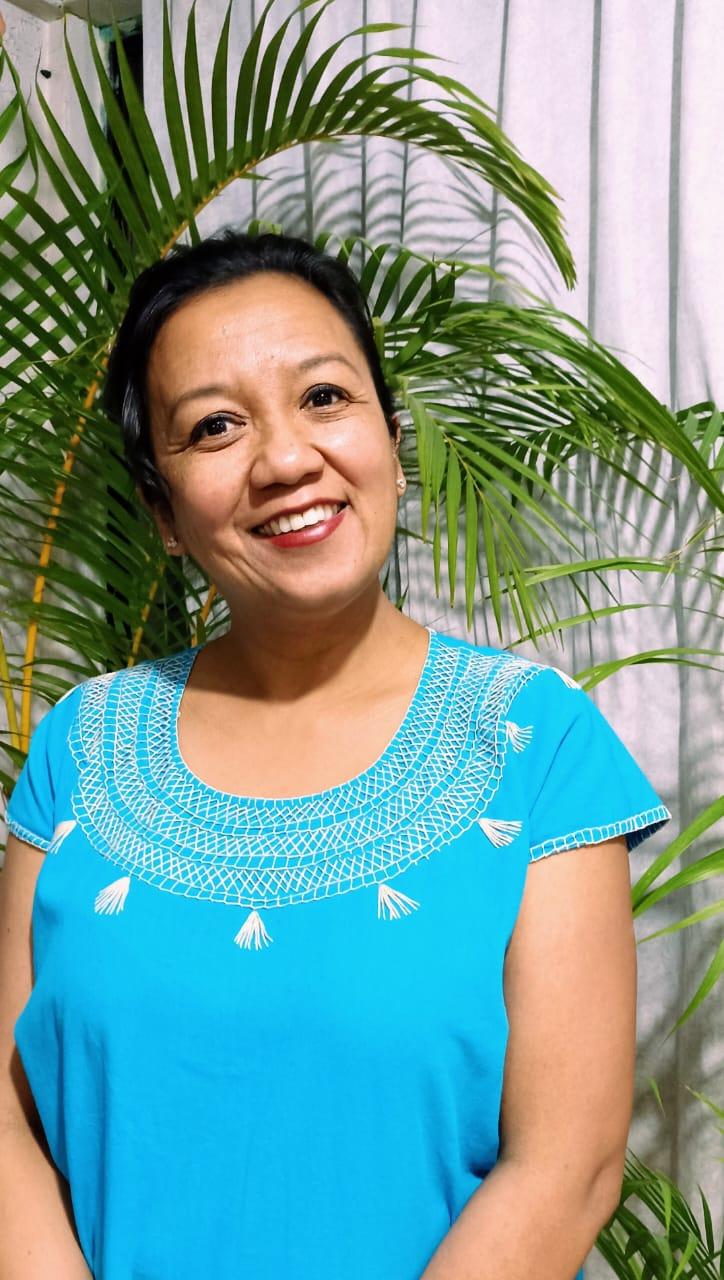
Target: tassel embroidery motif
(62, 830)
(395, 903)
(500, 832)
(252, 933)
(519, 737)
(452, 753)
(112, 899)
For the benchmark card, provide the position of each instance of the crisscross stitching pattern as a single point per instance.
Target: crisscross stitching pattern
(144, 810)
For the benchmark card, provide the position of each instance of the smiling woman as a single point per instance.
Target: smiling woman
(274, 443)
(302, 952)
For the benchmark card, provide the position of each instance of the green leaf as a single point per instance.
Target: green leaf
(680, 654)
(313, 78)
(176, 127)
(423, 434)
(436, 547)
(219, 99)
(711, 864)
(453, 492)
(144, 135)
(705, 913)
(263, 92)
(8, 117)
(657, 1094)
(82, 212)
(492, 564)
(711, 977)
(12, 170)
(245, 90)
(713, 813)
(114, 174)
(471, 547)
(132, 162)
(195, 101)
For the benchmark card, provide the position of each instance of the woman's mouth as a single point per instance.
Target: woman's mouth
(299, 528)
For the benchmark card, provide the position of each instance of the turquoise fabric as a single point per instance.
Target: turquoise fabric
(266, 1037)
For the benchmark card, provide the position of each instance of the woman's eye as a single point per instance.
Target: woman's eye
(321, 395)
(210, 425)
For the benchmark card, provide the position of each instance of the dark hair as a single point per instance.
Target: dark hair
(192, 269)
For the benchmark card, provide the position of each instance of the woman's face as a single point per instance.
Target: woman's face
(262, 403)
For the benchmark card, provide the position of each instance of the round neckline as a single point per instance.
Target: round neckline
(335, 794)
(142, 809)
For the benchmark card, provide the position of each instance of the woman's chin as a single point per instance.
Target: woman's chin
(317, 594)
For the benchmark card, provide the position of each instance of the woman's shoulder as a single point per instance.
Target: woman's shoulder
(475, 659)
(85, 706)
(117, 678)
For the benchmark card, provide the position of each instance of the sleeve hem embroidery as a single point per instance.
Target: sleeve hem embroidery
(636, 828)
(24, 833)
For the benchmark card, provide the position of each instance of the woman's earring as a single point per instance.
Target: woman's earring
(401, 483)
(172, 542)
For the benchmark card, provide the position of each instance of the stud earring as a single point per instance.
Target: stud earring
(172, 542)
(402, 483)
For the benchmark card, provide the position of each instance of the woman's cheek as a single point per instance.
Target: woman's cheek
(212, 491)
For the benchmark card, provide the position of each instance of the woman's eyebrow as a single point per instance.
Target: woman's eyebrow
(220, 388)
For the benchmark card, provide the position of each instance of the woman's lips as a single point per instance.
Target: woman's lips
(303, 537)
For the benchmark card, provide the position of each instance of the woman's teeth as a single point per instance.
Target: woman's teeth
(299, 519)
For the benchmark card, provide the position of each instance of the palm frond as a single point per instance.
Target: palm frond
(501, 400)
(633, 1249)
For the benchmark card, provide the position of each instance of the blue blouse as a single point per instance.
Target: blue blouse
(266, 1037)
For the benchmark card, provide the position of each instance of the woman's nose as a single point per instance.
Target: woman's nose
(283, 452)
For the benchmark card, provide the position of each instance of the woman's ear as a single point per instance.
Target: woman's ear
(164, 524)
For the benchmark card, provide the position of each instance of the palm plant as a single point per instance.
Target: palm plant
(500, 402)
(636, 1251)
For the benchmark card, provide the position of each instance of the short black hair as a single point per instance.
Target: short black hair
(188, 270)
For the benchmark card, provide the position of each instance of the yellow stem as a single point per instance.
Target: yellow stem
(138, 633)
(69, 460)
(205, 610)
(12, 714)
(43, 560)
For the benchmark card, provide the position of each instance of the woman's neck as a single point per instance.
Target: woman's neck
(308, 658)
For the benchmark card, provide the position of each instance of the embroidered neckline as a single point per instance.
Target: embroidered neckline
(169, 696)
(142, 808)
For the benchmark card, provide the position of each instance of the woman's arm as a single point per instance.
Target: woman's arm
(37, 1239)
(570, 991)
(37, 1236)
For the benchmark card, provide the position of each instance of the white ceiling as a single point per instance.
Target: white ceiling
(101, 11)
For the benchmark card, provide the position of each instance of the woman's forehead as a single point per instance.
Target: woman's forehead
(281, 317)
(232, 332)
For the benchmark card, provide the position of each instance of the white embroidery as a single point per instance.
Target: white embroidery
(144, 810)
(520, 738)
(500, 832)
(393, 902)
(62, 830)
(24, 833)
(252, 933)
(568, 680)
(562, 675)
(637, 827)
(112, 899)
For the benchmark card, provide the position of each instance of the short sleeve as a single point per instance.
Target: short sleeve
(583, 784)
(30, 813)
